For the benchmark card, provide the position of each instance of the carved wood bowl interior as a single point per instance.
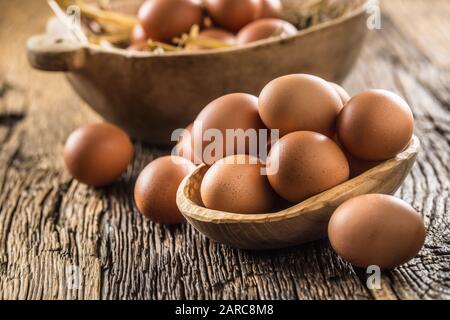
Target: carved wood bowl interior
(150, 95)
(304, 222)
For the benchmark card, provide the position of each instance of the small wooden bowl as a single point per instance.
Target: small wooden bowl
(301, 223)
(150, 95)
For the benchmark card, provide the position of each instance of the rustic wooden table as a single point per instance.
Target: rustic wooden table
(51, 226)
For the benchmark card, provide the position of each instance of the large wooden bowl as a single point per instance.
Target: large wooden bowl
(150, 95)
(301, 223)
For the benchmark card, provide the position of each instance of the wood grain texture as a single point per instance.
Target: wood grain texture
(50, 224)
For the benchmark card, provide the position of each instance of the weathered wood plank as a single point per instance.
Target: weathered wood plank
(399, 63)
(422, 63)
(50, 223)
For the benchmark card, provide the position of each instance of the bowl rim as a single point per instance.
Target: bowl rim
(361, 9)
(310, 204)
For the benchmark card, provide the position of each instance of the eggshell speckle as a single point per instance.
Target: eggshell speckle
(264, 29)
(375, 125)
(303, 164)
(236, 184)
(376, 230)
(300, 102)
(156, 188)
(97, 154)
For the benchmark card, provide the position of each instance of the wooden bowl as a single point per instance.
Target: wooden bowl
(150, 95)
(304, 222)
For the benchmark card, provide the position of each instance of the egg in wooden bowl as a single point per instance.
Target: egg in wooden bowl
(301, 223)
(327, 149)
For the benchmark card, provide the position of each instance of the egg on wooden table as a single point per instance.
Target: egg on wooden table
(156, 188)
(97, 154)
(376, 229)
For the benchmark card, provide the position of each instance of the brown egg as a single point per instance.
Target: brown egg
(303, 164)
(97, 154)
(156, 188)
(357, 166)
(375, 125)
(165, 19)
(300, 102)
(230, 112)
(233, 14)
(138, 35)
(345, 97)
(184, 147)
(215, 34)
(237, 184)
(271, 9)
(264, 29)
(376, 230)
(138, 39)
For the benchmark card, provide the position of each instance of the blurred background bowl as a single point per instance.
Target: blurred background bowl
(150, 95)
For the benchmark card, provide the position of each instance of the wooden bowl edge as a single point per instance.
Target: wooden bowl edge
(94, 48)
(191, 210)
